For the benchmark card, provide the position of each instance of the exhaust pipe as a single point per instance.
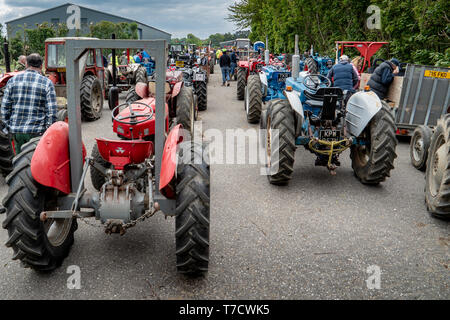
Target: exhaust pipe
(113, 94)
(296, 60)
(7, 60)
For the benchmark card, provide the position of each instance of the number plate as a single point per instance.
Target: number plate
(437, 74)
(328, 134)
(199, 77)
(282, 77)
(179, 64)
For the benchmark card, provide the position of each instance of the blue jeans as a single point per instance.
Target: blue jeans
(232, 67)
(225, 74)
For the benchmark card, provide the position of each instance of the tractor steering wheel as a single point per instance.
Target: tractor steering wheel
(317, 80)
(133, 116)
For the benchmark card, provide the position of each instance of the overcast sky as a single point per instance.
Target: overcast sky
(178, 17)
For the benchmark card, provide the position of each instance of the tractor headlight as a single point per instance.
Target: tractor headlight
(120, 130)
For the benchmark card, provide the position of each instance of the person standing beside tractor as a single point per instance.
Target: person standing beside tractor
(29, 103)
(21, 63)
(383, 76)
(343, 75)
(225, 63)
(218, 54)
(233, 64)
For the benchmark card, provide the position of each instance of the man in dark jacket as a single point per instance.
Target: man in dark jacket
(225, 63)
(383, 76)
(233, 65)
(343, 75)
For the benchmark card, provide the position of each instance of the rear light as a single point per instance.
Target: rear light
(288, 88)
(366, 88)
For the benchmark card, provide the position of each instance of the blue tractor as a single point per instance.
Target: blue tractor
(326, 121)
(147, 62)
(266, 85)
(317, 64)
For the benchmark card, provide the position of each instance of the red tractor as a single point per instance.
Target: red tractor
(180, 99)
(93, 86)
(47, 195)
(244, 69)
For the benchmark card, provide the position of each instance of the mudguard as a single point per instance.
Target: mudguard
(263, 78)
(361, 108)
(294, 101)
(169, 161)
(50, 165)
(176, 89)
(142, 90)
(243, 64)
(5, 77)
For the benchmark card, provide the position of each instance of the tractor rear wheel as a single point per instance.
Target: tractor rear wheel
(312, 65)
(241, 83)
(132, 96)
(141, 75)
(253, 98)
(201, 90)
(211, 66)
(91, 99)
(192, 212)
(280, 142)
(6, 151)
(185, 109)
(373, 162)
(437, 175)
(39, 245)
(97, 179)
(418, 148)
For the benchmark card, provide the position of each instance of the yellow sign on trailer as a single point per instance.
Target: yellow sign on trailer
(437, 74)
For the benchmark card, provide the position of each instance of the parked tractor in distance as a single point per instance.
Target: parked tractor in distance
(180, 99)
(317, 64)
(93, 86)
(246, 66)
(47, 195)
(264, 86)
(326, 122)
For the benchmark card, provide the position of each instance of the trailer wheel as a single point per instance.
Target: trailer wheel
(132, 96)
(91, 99)
(437, 175)
(312, 65)
(253, 98)
(185, 109)
(97, 179)
(192, 212)
(241, 82)
(39, 245)
(280, 142)
(6, 151)
(201, 90)
(373, 162)
(418, 148)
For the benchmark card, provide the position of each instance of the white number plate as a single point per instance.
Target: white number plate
(199, 77)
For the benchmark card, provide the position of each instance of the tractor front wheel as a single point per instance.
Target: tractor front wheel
(418, 148)
(192, 211)
(185, 109)
(373, 161)
(280, 142)
(39, 245)
(132, 96)
(253, 98)
(91, 99)
(437, 175)
(141, 75)
(241, 83)
(97, 179)
(201, 90)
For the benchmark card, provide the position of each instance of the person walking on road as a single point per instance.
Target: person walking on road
(233, 63)
(225, 63)
(383, 76)
(29, 103)
(343, 75)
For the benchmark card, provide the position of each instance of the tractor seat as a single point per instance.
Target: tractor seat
(329, 94)
(123, 152)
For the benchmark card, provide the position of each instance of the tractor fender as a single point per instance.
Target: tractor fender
(50, 164)
(176, 89)
(361, 108)
(294, 101)
(243, 64)
(169, 161)
(142, 89)
(5, 77)
(263, 78)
